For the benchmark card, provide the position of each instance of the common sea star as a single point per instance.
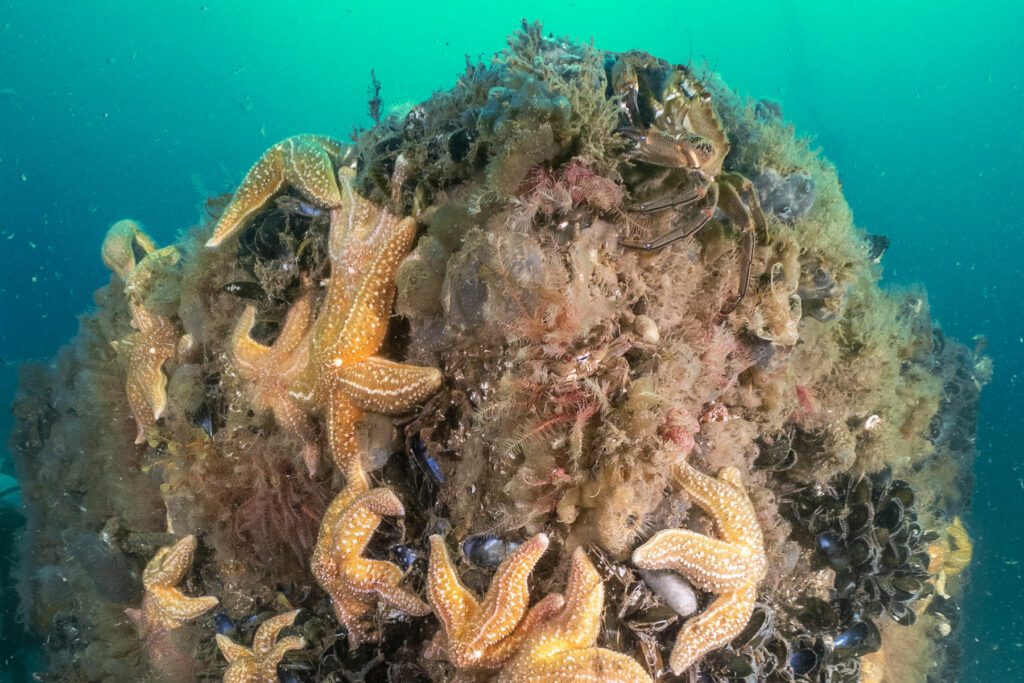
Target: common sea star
(164, 607)
(305, 162)
(259, 664)
(561, 649)
(154, 341)
(354, 582)
(124, 246)
(730, 567)
(484, 634)
(270, 369)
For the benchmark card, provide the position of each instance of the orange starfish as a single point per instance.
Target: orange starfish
(731, 567)
(355, 582)
(154, 342)
(366, 245)
(164, 607)
(304, 162)
(270, 370)
(562, 648)
(124, 246)
(259, 664)
(484, 634)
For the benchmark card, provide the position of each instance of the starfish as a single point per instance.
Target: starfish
(352, 581)
(484, 634)
(304, 162)
(164, 607)
(562, 648)
(124, 246)
(153, 342)
(269, 371)
(259, 664)
(730, 567)
(366, 244)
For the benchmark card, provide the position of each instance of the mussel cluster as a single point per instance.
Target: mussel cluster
(866, 529)
(817, 650)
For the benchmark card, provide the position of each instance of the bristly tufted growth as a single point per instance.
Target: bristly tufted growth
(259, 663)
(563, 648)
(354, 582)
(730, 567)
(484, 634)
(303, 162)
(270, 369)
(164, 607)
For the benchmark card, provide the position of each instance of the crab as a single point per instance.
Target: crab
(679, 144)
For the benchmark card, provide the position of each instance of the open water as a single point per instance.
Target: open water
(113, 108)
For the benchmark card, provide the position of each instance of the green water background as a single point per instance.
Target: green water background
(114, 108)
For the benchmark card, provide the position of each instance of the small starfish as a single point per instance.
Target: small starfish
(269, 371)
(304, 162)
(164, 607)
(354, 582)
(562, 648)
(154, 342)
(259, 664)
(484, 634)
(731, 567)
(366, 245)
(124, 246)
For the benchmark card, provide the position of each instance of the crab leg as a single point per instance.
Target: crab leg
(678, 234)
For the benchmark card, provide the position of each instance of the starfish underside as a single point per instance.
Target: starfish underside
(731, 566)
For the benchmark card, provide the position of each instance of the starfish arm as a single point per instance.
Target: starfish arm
(232, 651)
(545, 609)
(308, 168)
(278, 651)
(383, 578)
(356, 331)
(262, 182)
(170, 563)
(724, 499)
(267, 633)
(453, 603)
(124, 242)
(247, 353)
(709, 563)
(589, 665)
(351, 611)
(297, 422)
(503, 606)
(243, 671)
(384, 386)
(175, 608)
(295, 328)
(342, 418)
(722, 621)
(579, 624)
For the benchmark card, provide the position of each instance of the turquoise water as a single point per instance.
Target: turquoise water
(114, 108)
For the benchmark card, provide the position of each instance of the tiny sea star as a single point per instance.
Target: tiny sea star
(124, 246)
(731, 567)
